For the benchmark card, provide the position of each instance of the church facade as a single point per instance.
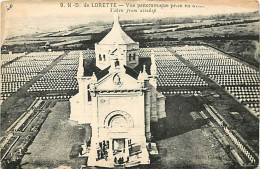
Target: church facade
(117, 102)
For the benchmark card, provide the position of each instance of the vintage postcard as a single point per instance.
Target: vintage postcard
(137, 84)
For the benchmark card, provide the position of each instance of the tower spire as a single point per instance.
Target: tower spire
(153, 65)
(94, 77)
(145, 75)
(80, 72)
(153, 69)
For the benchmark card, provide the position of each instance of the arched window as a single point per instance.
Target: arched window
(89, 94)
(116, 63)
(130, 57)
(134, 56)
(100, 57)
(104, 57)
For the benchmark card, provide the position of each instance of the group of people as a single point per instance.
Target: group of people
(88, 143)
(102, 151)
(120, 160)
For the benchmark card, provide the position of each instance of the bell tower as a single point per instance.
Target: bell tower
(117, 47)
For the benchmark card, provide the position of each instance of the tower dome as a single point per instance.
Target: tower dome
(116, 35)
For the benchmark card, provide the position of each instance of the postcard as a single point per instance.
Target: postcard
(129, 84)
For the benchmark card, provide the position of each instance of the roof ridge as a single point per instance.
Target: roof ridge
(116, 35)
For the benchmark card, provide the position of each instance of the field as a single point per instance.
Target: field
(62, 134)
(16, 77)
(155, 32)
(194, 149)
(11, 112)
(52, 146)
(221, 31)
(249, 51)
(189, 78)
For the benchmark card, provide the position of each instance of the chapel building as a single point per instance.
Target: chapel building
(118, 102)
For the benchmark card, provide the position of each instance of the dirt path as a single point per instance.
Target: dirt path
(8, 105)
(247, 127)
(52, 145)
(22, 90)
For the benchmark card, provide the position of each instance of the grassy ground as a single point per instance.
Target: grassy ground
(246, 50)
(178, 108)
(92, 34)
(247, 126)
(187, 144)
(11, 112)
(194, 149)
(16, 104)
(52, 145)
(247, 29)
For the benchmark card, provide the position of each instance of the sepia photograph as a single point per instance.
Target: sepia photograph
(140, 84)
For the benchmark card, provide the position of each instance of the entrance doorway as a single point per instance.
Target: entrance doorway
(119, 145)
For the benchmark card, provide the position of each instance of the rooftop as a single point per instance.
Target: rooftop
(116, 35)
